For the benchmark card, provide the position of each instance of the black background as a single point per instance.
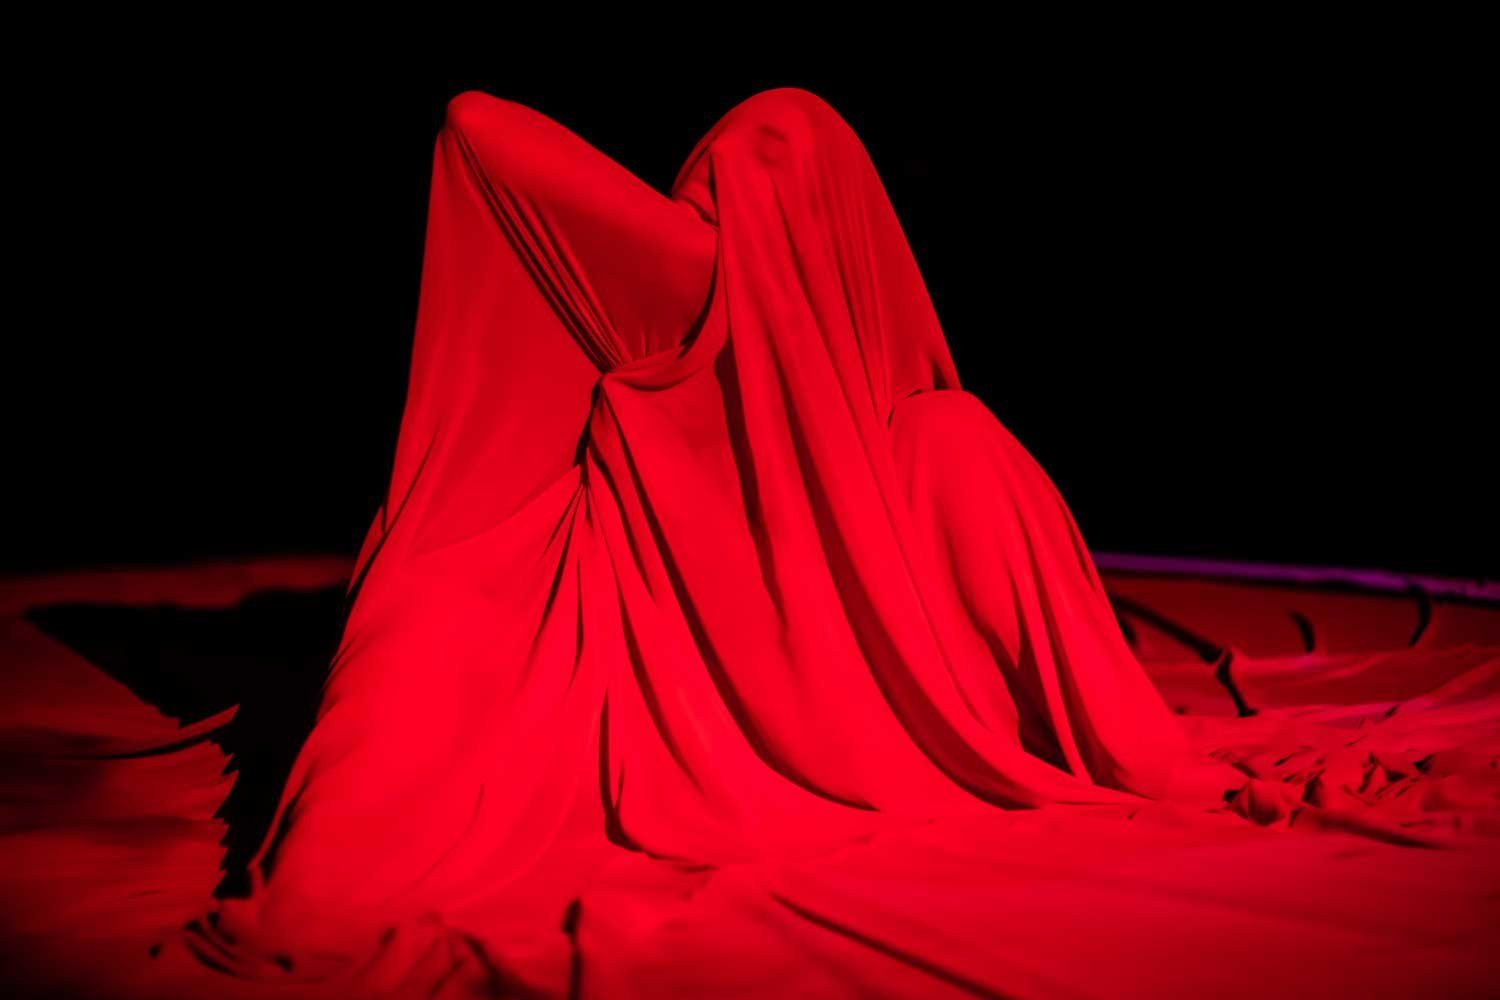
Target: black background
(1231, 292)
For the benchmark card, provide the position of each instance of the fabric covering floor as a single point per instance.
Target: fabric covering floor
(148, 715)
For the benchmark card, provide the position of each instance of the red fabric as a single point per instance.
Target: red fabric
(713, 637)
(1368, 707)
(802, 585)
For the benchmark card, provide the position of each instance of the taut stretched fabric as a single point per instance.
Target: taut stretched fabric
(696, 560)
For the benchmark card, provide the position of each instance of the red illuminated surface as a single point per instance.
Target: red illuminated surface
(712, 640)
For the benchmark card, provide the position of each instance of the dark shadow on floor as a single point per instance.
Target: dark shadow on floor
(268, 655)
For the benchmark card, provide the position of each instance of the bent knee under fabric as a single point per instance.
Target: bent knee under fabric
(629, 264)
(546, 264)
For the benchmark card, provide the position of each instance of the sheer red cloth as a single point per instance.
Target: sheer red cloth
(711, 638)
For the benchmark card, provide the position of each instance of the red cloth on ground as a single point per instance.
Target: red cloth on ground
(712, 638)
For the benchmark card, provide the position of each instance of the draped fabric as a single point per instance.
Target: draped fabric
(698, 568)
(690, 515)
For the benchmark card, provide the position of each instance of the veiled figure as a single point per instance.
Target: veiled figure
(695, 554)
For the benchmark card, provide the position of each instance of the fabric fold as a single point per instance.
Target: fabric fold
(698, 571)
